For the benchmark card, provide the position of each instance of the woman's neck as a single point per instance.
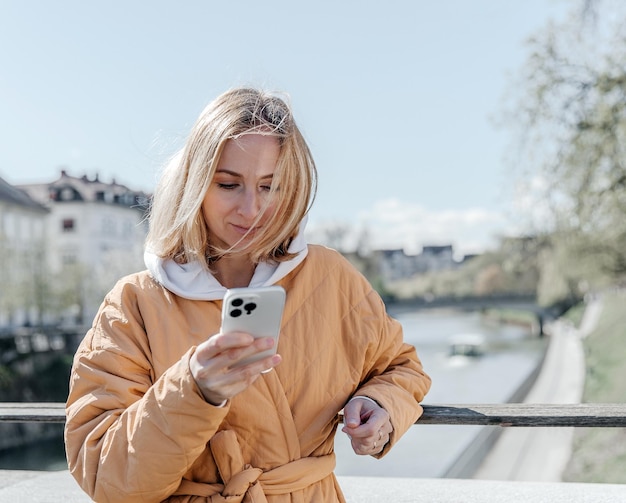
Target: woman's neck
(234, 272)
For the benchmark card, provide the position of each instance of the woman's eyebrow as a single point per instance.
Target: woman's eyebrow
(228, 172)
(239, 175)
(234, 173)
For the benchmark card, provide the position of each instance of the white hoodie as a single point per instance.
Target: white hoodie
(193, 281)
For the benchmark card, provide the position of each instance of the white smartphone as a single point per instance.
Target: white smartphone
(257, 311)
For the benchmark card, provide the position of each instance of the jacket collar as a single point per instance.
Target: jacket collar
(193, 281)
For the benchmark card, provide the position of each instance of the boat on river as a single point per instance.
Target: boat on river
(471, 345)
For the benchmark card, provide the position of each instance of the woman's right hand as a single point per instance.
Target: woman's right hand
(211, 364)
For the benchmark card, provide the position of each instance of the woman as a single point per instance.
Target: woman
(157, 408)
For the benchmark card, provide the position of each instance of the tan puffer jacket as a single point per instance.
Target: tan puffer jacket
(138, 428)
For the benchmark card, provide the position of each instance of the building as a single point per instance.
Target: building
(95, 233)
(22, 245)
(436, 258)
(394, 264)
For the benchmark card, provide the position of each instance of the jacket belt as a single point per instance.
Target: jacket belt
(244, 483)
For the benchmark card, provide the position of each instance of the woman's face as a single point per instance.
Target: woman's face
(240, 190)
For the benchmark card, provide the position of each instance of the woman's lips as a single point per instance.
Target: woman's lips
(244, 230)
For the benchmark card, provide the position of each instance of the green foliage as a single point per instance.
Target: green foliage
(379, 285)
(510, 270)
(570, 115)
(511, 316)
(606, 364)
(51, 382)
(600, 453)
(6, 378)
(36, 378)
(575, 314)
(599, 457)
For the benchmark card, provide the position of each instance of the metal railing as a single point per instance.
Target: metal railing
(505, 415)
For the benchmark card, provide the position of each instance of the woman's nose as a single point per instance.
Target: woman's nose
(250, 204)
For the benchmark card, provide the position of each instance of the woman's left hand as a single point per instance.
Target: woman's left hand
(367, 425)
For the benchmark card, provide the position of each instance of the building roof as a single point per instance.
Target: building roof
(18, 197)
(70, 188)
(436, 250)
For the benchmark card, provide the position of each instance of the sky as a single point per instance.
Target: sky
(398, 100)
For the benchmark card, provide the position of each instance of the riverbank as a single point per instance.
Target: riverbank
(542, 454)
(599, 454)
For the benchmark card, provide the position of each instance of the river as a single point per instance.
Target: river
(425, 450)
(429, 450)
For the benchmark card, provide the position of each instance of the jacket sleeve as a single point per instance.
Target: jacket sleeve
(393, 375)
(130, 437)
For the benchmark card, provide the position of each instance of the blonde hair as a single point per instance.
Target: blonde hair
(178, 229)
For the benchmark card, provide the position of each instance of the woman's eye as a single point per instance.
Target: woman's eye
(227, 186)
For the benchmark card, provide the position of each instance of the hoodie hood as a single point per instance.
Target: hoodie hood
(193, 281)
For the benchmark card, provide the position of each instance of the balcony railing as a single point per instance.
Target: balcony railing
(510, 414)
(59, 486)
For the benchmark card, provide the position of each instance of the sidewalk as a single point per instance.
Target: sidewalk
(541, 454)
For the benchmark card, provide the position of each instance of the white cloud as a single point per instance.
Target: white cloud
(392, 223)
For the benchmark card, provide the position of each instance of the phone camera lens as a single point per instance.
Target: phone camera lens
(235, 313)
(249, 307)
(237, 302)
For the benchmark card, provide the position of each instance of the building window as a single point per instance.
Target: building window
(69, 225)
(67, 194)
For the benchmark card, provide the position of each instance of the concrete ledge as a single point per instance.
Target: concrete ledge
(376, 490)
(38, 487)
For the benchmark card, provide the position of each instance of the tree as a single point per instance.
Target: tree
(572, 130)
(70, 285)
(25, 296)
